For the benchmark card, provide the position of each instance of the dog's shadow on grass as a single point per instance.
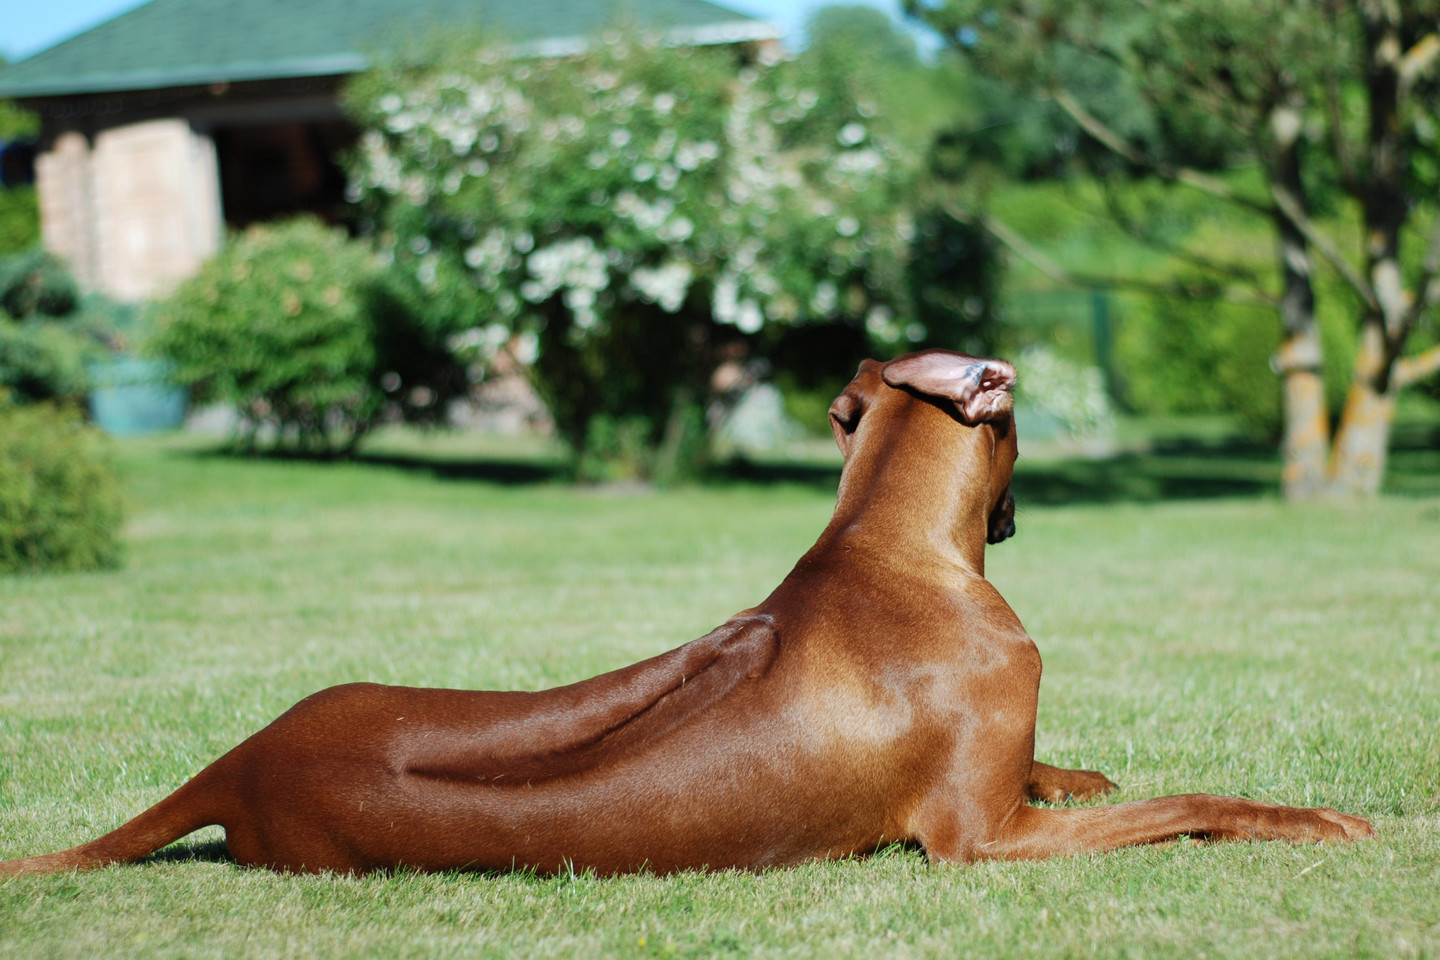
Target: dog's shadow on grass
(196, 851)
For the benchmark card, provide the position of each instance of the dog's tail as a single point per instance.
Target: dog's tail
(189, 808)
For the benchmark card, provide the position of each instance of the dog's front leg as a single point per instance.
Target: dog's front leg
(1035, 832)
(1056, 784)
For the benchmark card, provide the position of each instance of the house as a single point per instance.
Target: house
(170, 123)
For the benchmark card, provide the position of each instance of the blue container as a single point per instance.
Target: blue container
(130, 396)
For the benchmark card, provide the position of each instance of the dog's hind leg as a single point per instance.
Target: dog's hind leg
(189, 808)
(1056, 784)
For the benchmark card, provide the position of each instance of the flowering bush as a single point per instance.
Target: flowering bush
(630, 218)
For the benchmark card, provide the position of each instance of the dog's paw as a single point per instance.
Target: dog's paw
(1344, 826)
(1090, 784)
(1058, 786)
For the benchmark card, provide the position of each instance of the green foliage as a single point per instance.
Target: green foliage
(45, 338)
(1177, 356)
(278, 325)
(60, 505)
(36, 283)
(1179, 82)
(953, 280)
(19, 219)
(42, 360)
(15, 123)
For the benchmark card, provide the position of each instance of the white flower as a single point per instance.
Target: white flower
(825, 298)
(573, 265)
(851, 134)
(725, 303)
(687, 156)
(865, 161)
(643, 172)
(879, 322)
(664, 103)
(579, 298)
(665, 285)
(749, 319)
(847, 226)
(619, 137)
(527, 348)
(677, 231)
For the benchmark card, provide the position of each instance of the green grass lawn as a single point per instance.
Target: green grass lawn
(1232, 645)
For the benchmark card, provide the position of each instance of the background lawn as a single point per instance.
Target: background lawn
(1228, 645)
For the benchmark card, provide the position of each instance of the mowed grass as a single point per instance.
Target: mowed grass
(1235, 646)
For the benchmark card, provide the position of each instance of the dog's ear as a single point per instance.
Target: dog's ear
(844, 418)
(980, 389)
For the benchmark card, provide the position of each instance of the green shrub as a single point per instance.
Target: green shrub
(1200, 357)
(278, 324)
(59, 497)
(41, 361)
(36, 283)
(19, 218)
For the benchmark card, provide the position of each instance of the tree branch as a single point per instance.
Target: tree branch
(1290, 207)
(1026, 251)
(1411, 370)
(1186, 175)
(1138, 232)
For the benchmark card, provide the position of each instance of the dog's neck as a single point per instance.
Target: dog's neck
(916, 478)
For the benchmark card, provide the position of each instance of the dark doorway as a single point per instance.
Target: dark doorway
(283, 169)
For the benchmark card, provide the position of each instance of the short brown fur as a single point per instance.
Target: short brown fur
(883, 692)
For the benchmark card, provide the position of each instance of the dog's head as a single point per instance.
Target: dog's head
(976, 393)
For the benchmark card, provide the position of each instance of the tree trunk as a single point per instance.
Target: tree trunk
(1307, 428)
(1357, 463)
(1305, 446)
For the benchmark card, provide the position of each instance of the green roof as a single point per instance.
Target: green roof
(169, 43)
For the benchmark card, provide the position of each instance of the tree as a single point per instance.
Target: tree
(1327, 98)
(19, 210)
(629, 220)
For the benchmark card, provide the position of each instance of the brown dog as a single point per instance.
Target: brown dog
(883, 692)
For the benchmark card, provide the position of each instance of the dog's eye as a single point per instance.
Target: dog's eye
(845, 411)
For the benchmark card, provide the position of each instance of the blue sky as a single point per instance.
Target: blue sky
(28, 27)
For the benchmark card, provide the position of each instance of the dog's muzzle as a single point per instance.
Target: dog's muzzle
(1002, 519)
